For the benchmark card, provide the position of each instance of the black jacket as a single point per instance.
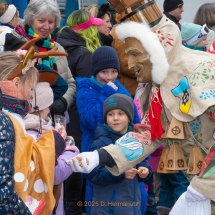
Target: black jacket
(79, 57)
(173, 18)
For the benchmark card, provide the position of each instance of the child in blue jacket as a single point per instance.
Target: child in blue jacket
(121, 194)
(91, 94)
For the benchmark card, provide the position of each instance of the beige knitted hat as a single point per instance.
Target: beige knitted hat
(43, 96)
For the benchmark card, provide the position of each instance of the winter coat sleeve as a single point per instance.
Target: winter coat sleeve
(60, 144)
(10, 202)
(146, 164)
(62, 170)
(101, 176)
(90, 102)
(65, 72)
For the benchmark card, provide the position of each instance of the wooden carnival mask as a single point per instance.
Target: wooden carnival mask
(138, 60)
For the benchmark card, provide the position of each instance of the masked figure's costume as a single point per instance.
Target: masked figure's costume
(182, 90)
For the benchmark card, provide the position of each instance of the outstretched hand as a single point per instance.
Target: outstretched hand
(85, 162)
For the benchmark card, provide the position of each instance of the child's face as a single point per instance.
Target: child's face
(118, 120)
(203, 42)
(106, 75)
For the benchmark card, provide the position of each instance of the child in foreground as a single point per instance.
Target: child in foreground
(123, 193)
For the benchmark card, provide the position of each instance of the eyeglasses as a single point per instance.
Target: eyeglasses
(204, 31)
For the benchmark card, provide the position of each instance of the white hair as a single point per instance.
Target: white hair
(151, 43)
(38, 7)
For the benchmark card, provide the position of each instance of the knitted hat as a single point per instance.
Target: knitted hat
(43, 96)
(104, 57)
(192, 33)
(170, 5)
(119, 101)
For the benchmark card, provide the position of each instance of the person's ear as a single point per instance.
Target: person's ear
(16, 81)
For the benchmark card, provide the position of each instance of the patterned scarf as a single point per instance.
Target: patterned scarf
(15, 105)
(44, 45)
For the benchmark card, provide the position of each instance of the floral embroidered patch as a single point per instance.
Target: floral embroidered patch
(195, 126)
(204, 72)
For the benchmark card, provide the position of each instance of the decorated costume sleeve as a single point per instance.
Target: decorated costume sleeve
(130, 150)
(126, 153)
(204, 183)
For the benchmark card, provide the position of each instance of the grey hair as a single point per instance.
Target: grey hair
(39, 7)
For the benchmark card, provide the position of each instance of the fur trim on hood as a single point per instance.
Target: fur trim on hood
(151, 43)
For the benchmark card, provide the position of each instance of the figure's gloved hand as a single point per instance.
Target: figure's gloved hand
(84, 162)
(58, 107)
(193, 195)
(191, 202)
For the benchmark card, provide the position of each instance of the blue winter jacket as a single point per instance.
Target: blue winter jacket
(90, 99)
(115, 194)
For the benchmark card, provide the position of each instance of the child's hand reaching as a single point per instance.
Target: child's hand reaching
(111, 84)
(143, 172)
(131, 173)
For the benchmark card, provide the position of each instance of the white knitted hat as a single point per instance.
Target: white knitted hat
(43, 96)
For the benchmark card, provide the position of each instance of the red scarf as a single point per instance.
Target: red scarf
(154, 113)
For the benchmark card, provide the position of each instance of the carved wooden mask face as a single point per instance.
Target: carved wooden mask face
(138, 60)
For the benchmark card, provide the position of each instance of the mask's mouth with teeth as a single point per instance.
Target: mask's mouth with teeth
(137, 73)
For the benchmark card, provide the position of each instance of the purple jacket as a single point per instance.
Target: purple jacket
(62, 172)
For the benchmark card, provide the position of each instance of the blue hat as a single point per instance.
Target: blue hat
(104, 57)
(57, 83)
(192, 33)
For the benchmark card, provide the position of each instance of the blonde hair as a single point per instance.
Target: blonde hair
(9, 61)
(93, 9)
(99, 12)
